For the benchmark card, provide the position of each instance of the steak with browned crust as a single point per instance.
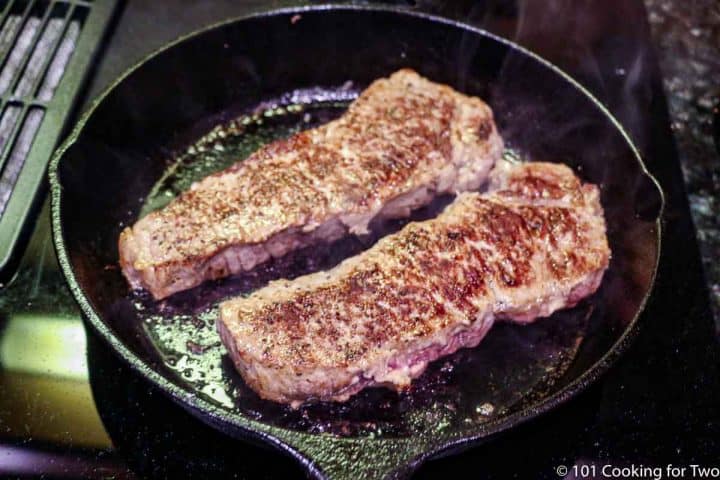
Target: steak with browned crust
(533, 244)
(404, 140)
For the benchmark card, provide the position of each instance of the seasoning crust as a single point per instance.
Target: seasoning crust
(404, 140)
(533, 244)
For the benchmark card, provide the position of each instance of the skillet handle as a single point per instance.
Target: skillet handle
(329, 458)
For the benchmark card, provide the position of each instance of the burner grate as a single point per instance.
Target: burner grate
(46, 49)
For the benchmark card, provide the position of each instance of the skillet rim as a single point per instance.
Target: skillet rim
(294, 443)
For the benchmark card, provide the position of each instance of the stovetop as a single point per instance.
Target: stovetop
(69, 409)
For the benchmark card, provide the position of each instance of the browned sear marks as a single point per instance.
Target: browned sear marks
(535, 243)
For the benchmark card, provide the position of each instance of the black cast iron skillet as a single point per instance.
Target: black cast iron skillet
(265, 76)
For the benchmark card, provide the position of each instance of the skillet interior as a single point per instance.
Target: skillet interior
(134, 135)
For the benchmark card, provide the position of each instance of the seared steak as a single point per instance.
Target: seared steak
(533, 244)
(404, 140)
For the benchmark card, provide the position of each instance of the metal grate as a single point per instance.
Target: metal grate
(46, 48)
